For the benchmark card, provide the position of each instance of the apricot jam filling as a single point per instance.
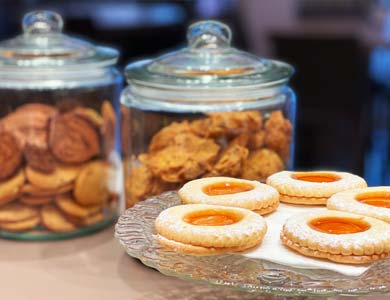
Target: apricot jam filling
(337, 225)
(226, 188)
(211, 218)
(316, 177)
(380, 199)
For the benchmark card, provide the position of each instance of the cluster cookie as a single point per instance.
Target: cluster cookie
(54, 167)
(236, 144)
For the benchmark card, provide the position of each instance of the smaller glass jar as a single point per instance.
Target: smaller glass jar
(205, 110)
(59, 141)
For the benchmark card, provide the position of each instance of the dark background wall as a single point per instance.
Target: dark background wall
(338, 47)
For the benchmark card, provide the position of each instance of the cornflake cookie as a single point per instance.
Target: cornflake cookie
(227, 191)
(312, 188)
(372, 201)
(337, 236)
(260, 164)
(199, 229)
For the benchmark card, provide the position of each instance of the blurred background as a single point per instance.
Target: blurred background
(339, 48)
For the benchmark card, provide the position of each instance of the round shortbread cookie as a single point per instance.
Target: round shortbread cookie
(227, 191)
(337, 236)
(70, 207)
(10, 189)
(62, 175)
(53, 219)
(211, 226)
(21, 225)
(16, 212)
(372, 201)
(35, 201)
(312, 187)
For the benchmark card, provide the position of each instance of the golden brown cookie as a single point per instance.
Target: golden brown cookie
(69, 207)
(234, 123)
(35, 191)
(260, 164)
(62, 175)
(231, 161)
(165, 136)
(35, 201)
(312, 188)
(10, 155)
(337, 236)
(200, 229)
(188, 157)
(73, 139)
(372, 202)
(89, 115)
(227, 191)
(278, 132)
(15, 212)
(27, 119)
(92, 186)
(37, 152)
(108, 128)
(54, 220)
(10, 189)
(21, 225)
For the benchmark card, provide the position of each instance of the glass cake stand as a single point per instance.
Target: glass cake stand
(135, 231)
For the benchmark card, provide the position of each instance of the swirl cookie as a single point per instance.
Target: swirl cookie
(312, 188)
(73, 139)
(200, 229)
(227, 191)
(337, 236)
(372, 201)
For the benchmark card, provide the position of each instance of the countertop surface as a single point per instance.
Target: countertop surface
(95, 267)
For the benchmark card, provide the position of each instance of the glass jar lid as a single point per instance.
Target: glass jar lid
(209, 61)
(42, 45)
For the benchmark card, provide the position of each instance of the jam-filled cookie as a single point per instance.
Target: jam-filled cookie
(372, 201)
(227, 191)
(200, 229)
(337, 236)
(312, 188)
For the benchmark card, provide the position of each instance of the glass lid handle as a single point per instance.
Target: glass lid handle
(42, 22)
(209, 34)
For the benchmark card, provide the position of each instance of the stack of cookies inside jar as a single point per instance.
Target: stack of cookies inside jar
(55, 169)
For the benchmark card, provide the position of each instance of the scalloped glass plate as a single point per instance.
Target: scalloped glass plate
(135, 231)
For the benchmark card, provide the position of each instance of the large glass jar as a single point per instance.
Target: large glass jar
(59, 141)
(205, 110)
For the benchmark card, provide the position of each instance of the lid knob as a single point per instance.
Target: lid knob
(42, 22)
(209, 34)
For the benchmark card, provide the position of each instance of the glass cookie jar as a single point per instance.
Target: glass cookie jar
(59, 143)
(205, 110)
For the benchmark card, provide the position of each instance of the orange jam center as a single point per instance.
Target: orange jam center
(212, 218)
(226, 188)
(337, 225)
(380, 199)
(313, 177)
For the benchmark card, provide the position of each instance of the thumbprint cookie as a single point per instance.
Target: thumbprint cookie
(312, 188)
(227, 191)
(337, 236)
(372, 201)
(201, 229)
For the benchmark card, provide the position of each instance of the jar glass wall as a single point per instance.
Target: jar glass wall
(60, 163)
